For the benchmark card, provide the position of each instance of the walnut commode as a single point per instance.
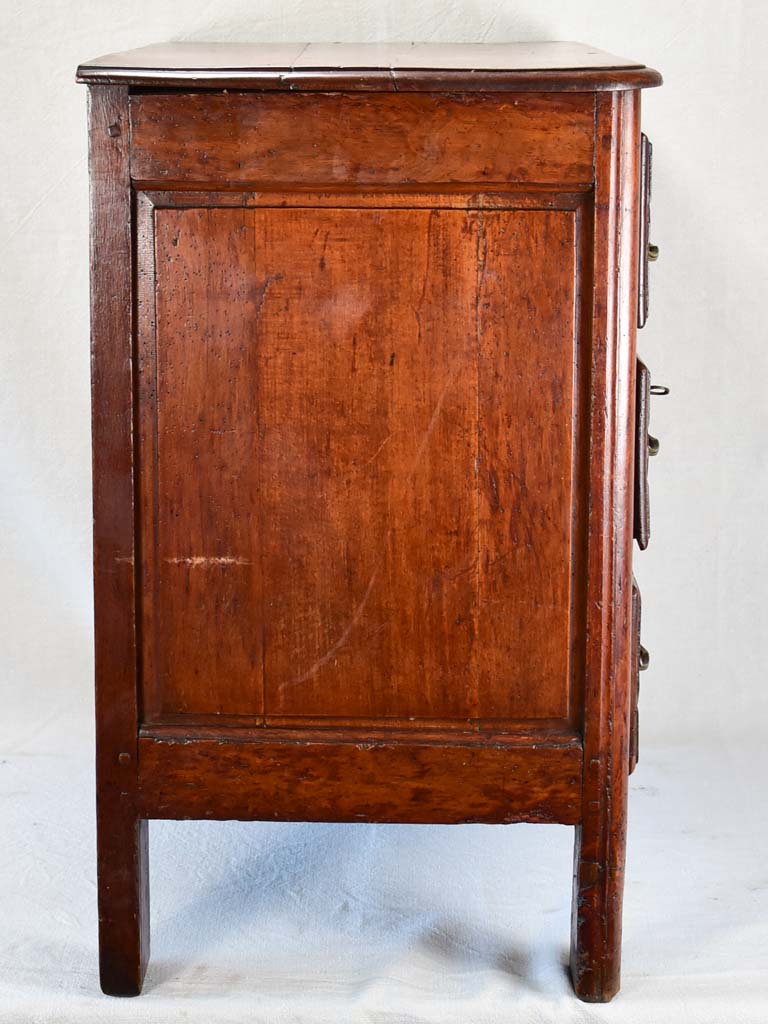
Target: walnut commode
(365, 448)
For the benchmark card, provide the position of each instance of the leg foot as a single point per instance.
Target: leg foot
(596, 919)
(123, 904)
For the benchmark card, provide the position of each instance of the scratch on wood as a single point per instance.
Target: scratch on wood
(431, 425)
(375, 454)
(344, 636)
(451, 576)
(202, 560)
(272, 279)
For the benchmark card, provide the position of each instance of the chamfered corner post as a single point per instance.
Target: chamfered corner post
(123, 884)
(600, 845)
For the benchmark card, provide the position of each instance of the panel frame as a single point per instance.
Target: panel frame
(300, 775)
(121, 832)
(240, 139)
(576, 201)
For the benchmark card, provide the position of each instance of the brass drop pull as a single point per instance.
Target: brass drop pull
(643, 658)
(653, 442)
(653, 252)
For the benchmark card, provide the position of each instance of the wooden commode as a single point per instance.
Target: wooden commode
(366, 461)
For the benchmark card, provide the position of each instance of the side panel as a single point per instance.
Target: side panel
(362, 501)
(205, 568)
(528, 356)
(369, 448)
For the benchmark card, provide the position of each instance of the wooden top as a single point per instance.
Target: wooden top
(549, 66)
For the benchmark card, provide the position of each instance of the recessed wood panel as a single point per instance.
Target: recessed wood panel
(364, 486)
(207, 558)
(526, 370)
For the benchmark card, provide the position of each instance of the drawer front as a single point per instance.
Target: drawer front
(646, 445)
(642, 505)
(328, 139)
(639, 663)
(647, 252)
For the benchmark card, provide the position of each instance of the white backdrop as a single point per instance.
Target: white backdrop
(704, 576)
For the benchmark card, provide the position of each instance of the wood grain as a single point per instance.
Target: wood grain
(365, 503)
(121, 836)
(543, 66)
(244, 138)
(375, 780)
(368, 459)
(208, 563)
(528, 280)
(601, 837)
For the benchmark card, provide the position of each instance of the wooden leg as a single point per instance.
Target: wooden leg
(601, 837)
(123, 869)
(598, 885)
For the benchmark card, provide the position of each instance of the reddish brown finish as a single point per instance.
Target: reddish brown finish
(202, 545)
(122, 838)
(378, 564)
(601, 836)
(309, 778)
(382, 80)
(530, 519)
(387, 67)
(247, 139)
(390, 560)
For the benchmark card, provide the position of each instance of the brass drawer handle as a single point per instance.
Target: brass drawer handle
(643, 658)
(659, 390)
(653, 252)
